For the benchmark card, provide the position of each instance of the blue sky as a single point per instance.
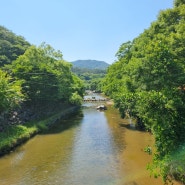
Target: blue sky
(81, 29)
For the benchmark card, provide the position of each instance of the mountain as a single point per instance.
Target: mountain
(11, 46)
(90, 64)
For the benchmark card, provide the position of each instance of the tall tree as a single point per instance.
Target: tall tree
(10, 93)
(47, 77)
(148, 80)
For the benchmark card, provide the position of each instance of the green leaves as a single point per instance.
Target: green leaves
(179, 2)
(11, 46)
(149, 77)
(124, 51)
(10, 92)
(47, 78)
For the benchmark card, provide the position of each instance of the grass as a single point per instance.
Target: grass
(172, 167)
(176, 164)
(15, 135)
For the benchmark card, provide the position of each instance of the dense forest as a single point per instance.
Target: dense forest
(90, 64)
(91, 72)
(11, 46)
(33, 77)
(148, 82)
(92, 78)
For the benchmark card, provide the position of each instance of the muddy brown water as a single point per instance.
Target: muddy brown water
(95, 148)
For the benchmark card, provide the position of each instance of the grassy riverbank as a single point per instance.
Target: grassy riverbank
(173, 165)
(15, 135)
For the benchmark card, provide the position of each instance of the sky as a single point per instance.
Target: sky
(81, 29)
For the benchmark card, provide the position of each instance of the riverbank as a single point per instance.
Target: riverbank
(14, 135)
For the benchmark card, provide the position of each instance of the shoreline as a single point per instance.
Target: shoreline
(15, 135)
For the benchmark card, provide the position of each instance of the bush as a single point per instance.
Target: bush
(75, 99)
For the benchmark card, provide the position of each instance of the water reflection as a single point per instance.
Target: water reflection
(40, 159)
(93, 160)
(91, 149)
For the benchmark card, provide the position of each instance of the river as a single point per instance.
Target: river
(94, 148)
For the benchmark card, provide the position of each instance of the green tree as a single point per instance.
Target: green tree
(10, 92)
(11, 46)
(47, 77)
(179, 2)
(148, 80)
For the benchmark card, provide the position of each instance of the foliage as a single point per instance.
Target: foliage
(85, 73)
(91, 72)
(46, 76)
(92, 78)
(179, 2)
(16, 134)
(148, 79)
(90, 64)
(11, 46)
(171, 167)
(37, 76)
(10, 92)
(75, 99)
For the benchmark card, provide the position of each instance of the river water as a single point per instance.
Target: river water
(94, 148)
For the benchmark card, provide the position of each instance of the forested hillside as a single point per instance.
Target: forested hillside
(11, 46)
(91, 72)
(90, 64)
(33, 78)
(148, 82)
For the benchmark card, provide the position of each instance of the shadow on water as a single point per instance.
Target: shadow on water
(64, 124)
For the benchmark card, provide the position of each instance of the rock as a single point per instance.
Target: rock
(101, 107)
